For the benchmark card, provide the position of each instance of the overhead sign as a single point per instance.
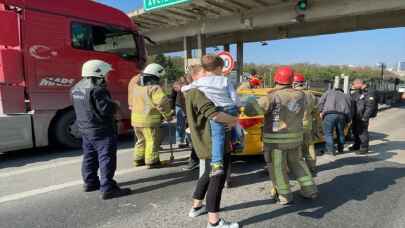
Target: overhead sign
(157, 4)
(229, 62)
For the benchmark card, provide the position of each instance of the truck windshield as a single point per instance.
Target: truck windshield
(104, 39)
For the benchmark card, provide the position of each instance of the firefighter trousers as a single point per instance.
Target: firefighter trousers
(283, 159)
(308, 151)
(147, 146)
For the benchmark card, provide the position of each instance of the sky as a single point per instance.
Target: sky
(356, 48)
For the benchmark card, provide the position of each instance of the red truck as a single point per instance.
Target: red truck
(43, 45)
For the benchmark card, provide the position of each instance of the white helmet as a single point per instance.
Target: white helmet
(155, 70)
(96, 68)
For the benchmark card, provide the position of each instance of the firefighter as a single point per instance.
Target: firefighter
(95, 112)
(150, 106)
(132, 86)
(283, 137)
(253, 82)
(366, 107)
(311, 123)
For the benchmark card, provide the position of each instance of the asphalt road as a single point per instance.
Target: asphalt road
(42, 188)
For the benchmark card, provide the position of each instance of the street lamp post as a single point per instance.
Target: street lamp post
(383, 66)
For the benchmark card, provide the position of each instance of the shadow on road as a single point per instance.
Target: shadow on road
(248, 170)
(169, 180)
(334, 194)
(30, 156)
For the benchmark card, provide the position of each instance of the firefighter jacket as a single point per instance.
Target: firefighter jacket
(133, 84)
(94, 108)
(311, 114)
(150, 105)
(284, 112)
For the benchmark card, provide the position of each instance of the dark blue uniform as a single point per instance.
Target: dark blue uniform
(365, 108)
(95, 110)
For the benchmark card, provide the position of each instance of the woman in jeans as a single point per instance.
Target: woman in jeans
(200, 110)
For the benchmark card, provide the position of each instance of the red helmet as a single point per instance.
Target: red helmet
(284, 75)
(255, 82)
(299, 78)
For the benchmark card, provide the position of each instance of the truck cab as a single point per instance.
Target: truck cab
(42, 48)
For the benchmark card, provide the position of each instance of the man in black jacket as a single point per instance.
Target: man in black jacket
(95, 112)
(366, 107)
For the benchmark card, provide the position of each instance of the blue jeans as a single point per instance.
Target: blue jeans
(180, 125)
(331, 122)
(218, 135)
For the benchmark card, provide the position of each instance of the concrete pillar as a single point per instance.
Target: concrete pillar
(188, 54)
(337, 82)
(346, 84)
(227, 47)
(201, 45)
(239, 60)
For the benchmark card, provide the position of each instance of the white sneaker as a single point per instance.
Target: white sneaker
(197, 212)
(224, 224)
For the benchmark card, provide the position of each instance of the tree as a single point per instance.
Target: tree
(171, 64)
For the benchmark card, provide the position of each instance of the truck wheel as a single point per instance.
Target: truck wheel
(66, 132)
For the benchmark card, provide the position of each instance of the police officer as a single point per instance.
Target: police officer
(95, 112)
(150, 106)
(283, 137)
(365, 108)
(311, 122)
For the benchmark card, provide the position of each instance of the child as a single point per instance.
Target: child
(221, 92)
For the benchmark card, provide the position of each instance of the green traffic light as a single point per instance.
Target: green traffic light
(302, 5)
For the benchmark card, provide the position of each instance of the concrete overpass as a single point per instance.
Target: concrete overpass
(229, 21)
(198, 24)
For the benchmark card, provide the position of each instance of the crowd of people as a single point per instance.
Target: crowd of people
(206, 104)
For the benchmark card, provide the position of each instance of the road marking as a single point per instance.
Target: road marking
(48, 166)
(35, 192)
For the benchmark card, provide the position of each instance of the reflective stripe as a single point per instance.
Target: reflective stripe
(307, 125)
(283, 141)
(167, 115)
(283, 135)
(146, 119)
(150, 118)
(283, 138)
(305, 181)
(281, 184)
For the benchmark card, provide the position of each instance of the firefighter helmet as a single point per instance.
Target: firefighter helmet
(154, 69)
(299, 78)
(284, 75)
(255, 82)
(96, 68)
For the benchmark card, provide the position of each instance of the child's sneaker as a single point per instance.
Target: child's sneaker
(237, 147)
(217, 169)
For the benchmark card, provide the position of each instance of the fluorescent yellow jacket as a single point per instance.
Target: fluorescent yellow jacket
(150, 105)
